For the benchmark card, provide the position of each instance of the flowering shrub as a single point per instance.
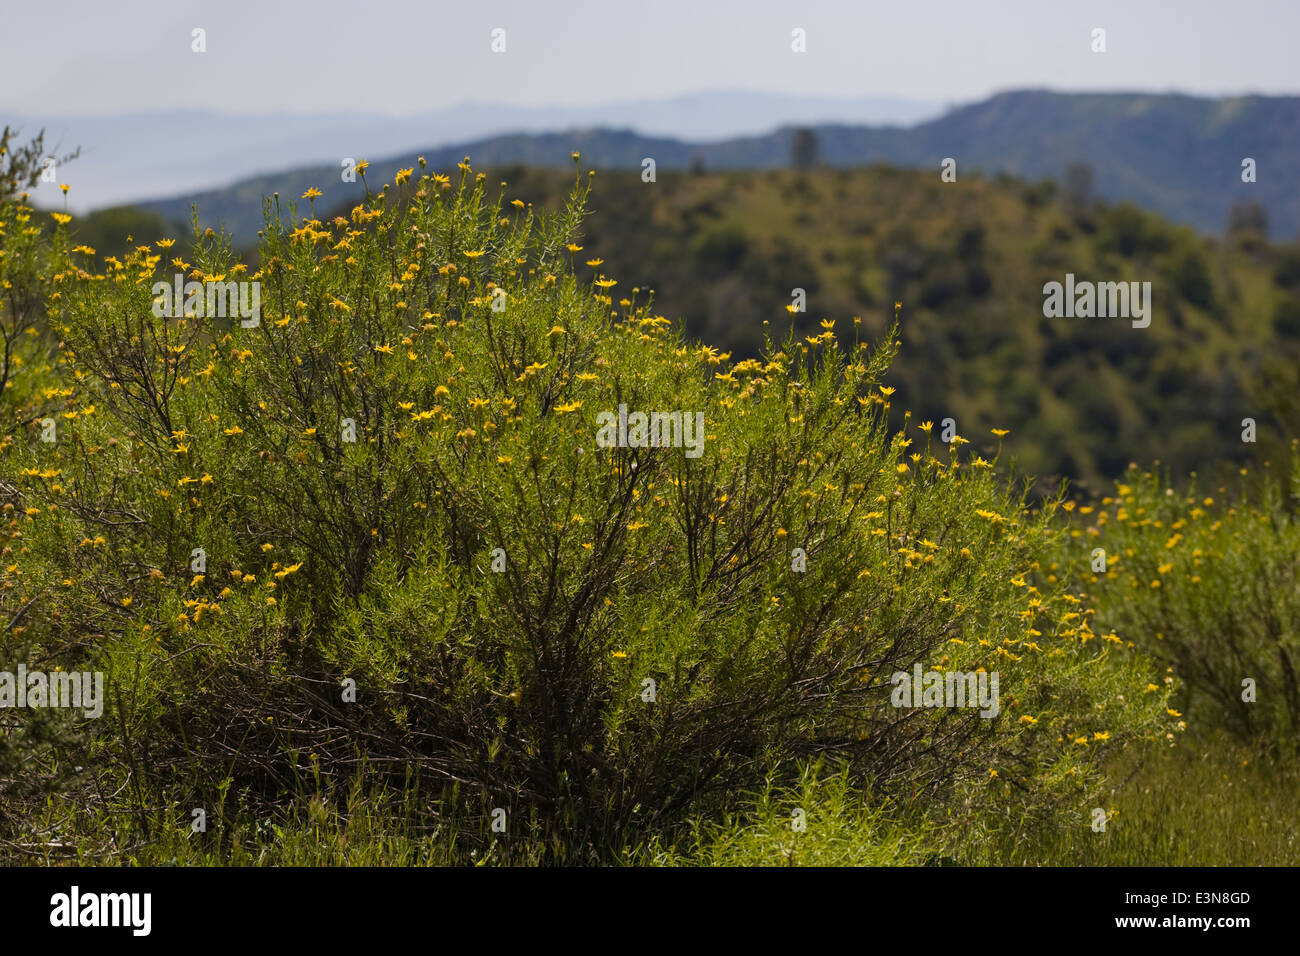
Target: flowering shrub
(376, 529)
(1211, 587)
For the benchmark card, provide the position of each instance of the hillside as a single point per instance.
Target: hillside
(1177, 155)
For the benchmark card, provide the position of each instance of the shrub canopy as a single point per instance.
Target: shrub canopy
(394, 479)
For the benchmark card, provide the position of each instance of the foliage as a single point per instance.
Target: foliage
(823, 820)
(1211, 587)
(515, 679)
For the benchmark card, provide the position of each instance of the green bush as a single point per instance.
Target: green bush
(31, 770)
(1212, 588)
(606, 642)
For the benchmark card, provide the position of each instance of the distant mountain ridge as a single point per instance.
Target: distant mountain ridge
(1177, 155)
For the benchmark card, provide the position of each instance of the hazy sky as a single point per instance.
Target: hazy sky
(326, 56)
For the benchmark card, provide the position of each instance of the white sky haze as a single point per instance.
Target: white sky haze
(327, 56)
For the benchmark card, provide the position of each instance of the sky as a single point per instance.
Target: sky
(395, 58)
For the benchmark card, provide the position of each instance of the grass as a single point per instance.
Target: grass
(1200, 803)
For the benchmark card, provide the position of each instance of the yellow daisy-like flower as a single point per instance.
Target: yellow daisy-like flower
(281, 575)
